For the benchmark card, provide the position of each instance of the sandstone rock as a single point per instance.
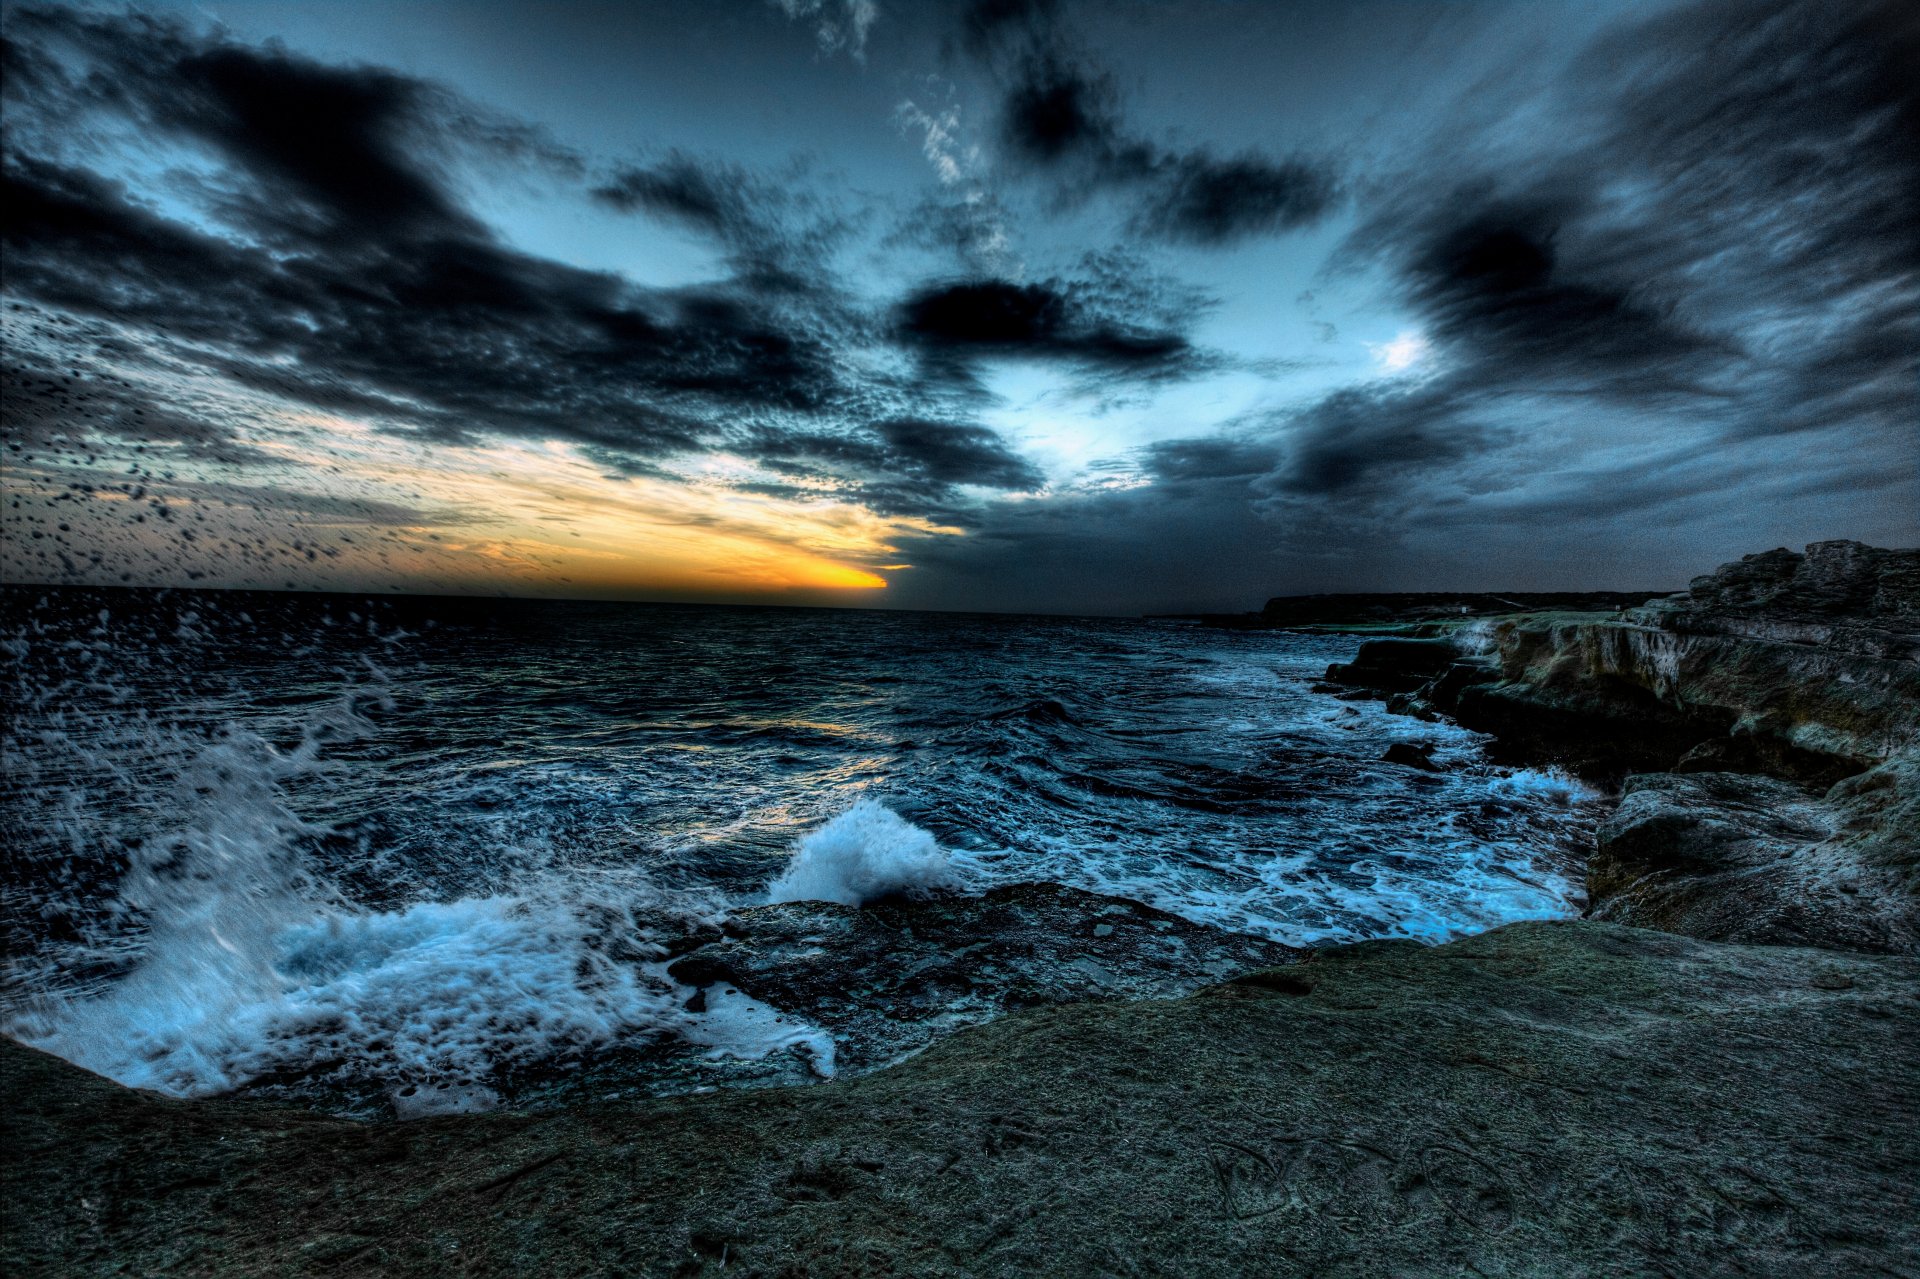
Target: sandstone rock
(1809, 661)
(1736, 857)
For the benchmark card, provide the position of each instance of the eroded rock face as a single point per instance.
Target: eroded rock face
(1766, 724)
(1804, 664)
(1737, 857)
(1547, 1099)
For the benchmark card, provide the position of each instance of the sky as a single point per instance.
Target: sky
(1001, 305)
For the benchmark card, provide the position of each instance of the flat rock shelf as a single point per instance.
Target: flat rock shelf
(1567, 1098)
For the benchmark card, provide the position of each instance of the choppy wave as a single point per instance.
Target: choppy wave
(431, 853)
(252, 965)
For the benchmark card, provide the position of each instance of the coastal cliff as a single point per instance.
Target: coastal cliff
(1764, 724)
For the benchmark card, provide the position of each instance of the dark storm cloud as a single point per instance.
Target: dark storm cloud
(1361, 439)
(348, 151)
(1673, 303)
(682, 189)
(473, 336)
(958, 453)
(1492, 281)
(356, 277)
(1203, 199)
(901, 466)
(775, 239)
(1727, 237)
(343, 272)
(1063, 114)
(1754, 175)
(1209, 458)
(1046, 321)
(1789, 142)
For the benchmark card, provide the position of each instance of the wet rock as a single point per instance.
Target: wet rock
(1464, 671)
(1413, 755)
(1412, 706)
(1554, 1099)
(1394, 665)
(1598, 728)
(889, 977)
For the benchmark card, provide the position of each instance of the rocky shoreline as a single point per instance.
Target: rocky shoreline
(1764, 726)
(1713, 1073)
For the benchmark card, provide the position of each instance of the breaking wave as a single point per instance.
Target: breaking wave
(252, 852)
(867, 852)
(253, 966)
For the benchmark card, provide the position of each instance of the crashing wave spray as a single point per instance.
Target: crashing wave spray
(252, 966)
(868, 851)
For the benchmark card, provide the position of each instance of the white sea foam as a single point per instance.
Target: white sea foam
(1550, 785)
(868, 851)
(737, 1025)
(253, 966)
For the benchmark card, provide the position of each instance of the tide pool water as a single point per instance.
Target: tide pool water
(433, 843)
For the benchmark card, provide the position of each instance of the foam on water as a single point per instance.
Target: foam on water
(253, 966)
(360, 887)
(866, 852)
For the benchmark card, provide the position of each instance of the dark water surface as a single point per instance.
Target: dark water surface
(249, 835)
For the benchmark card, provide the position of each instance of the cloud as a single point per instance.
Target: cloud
(335, 261)
(776, 239)
(1705, 240)
(968, 218)
(1207, 458)
(1062, 114)
(1113, 322)
(1672, 301)
(900, 465)
(711, 199)
(348, 152)
(1040, 321)
(837, 24)
(1675, 316)
(1200, 199)
(1364, 439)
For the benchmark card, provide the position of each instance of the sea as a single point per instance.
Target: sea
(433, 846)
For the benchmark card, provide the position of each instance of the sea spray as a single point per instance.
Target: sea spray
(866, 852)
(249, 964)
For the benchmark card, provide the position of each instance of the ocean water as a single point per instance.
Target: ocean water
(433, 843)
